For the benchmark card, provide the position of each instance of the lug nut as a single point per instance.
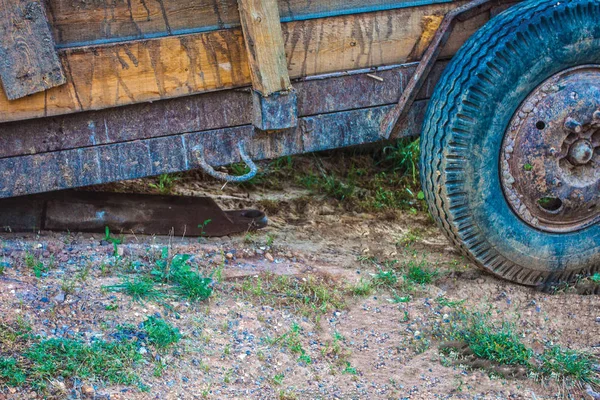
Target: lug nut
(572, 125)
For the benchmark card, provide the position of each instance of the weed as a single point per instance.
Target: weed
(444, 302)
(270, 239)
(385, 278)
(35, 264)
(410, 237)
(349, 369)
(111, 307)
(403, 156)
(400, 299)
(165, 183)
(160, 333)
(278, 379)
(111, 239)
(139, 288)
(363, 288)
(595, 277)
(204, 225)
(178, 272)
(420, 274)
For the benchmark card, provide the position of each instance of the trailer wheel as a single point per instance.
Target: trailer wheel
(511, 144)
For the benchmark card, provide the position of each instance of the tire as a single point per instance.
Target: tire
(471, 109)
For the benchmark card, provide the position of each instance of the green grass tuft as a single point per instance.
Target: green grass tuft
(160, 333)
(112, 362)
(139, 288)
(571, 365)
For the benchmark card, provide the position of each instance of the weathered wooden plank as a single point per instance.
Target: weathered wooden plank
(28, 60)
(264, 42)
(208, 111)
(275, 103)
(95, 22)
(101, 164)
(114, 75)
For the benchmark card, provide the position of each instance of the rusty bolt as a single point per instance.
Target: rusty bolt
(572, 125)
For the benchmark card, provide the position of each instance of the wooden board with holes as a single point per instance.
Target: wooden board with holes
(112, 75)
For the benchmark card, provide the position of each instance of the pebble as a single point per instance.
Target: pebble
(269, 257)
(142, 350)
(229, 256)
(88, 390)
(598, 320)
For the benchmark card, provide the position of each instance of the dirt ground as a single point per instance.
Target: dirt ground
(385, 349)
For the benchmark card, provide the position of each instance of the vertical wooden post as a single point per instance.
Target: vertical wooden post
(275, 101)
(29, 62)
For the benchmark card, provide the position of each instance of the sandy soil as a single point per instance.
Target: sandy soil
(388, 350)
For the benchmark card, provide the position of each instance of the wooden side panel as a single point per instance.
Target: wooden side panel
(264, 43)
(103, 21)
(112, 75)
(28, 60)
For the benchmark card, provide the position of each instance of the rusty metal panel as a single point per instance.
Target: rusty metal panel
(136, 159)
(316, 95)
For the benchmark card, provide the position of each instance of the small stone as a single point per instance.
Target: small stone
(229, 256)
(269, 257)
(88, 390)
(598, 320)
(60, 297)
(142, 350)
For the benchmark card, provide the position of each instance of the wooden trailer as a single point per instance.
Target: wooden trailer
(97, 91)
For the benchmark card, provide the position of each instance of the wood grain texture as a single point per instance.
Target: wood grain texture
(85, 22)
(264, 42)
(113, 75)
(28, 60)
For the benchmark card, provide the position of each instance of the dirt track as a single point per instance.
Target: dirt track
(371, 348)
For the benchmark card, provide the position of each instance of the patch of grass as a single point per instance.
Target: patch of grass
(160, 333)
(570, 365)
(311, 296)
(112, 362)
(11, 373)
(164, 183)
(138, 288)
(502, 344)
(420, 273)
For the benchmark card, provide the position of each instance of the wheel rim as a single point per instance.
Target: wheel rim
(550, 161)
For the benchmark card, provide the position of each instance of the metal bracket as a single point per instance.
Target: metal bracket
(206, 167)
(390, 126)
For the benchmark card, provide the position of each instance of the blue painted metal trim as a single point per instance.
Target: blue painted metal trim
(393, 5)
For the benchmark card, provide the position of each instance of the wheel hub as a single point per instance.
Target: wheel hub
(550, 161)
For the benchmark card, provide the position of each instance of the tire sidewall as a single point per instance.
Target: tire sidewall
(504, 230)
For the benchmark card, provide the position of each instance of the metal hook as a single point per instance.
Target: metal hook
(199, 151)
